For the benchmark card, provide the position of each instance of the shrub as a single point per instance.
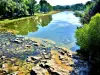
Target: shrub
(88, 37)
(77, 14)
(89, 34)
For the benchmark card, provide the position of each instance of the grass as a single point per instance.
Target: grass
(7, 21)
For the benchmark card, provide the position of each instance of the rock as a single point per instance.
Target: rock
(5, 67)
(42, 45)
(13, 60)
(69, 54)
(61, 52)
(33, 58)
(33, 72)
(3, 57)
(14, 73)
(17, 40)
(44, 61)
(39, 70)
(45, 55)
(36, 57)
(61, 57)
(36, 44)
(29, 59)
(54, 73)
(28, 46)
(2, 72)
(37, 61)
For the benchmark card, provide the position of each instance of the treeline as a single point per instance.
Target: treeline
(18, 8)
(74, 7)
(88, 36)
(86, 9)
(92, 8)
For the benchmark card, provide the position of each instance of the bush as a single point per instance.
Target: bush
(82, 36)
(89, 34)
(77, 14)
(88, 37)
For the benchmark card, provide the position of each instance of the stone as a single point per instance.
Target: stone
(17, 40)
(36, 44)
(61, 52)
(5, 66)
(33, 58)
(69, 54)
(61, 57)
(13, 60)
(28, 46)
(3, 57)
(33, 72)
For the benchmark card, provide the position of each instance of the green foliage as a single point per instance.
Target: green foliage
(58, 7)
(45, 6)
(21, 9)
(89, 33)
(74, 7)
(94, 30)
(17, 8)
(7, 7)
(79, 7)
(78, 14)
(88, 37)
(91, 9)
(31, 5)
(82, 36)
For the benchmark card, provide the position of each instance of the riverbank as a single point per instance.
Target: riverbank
(22, 56)
(7, 21)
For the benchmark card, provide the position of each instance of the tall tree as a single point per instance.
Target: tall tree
(7, 8)
(43, 4)
(32, 5)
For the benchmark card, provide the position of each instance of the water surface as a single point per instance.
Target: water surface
(58, 27)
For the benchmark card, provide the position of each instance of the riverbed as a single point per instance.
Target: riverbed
(42, 43)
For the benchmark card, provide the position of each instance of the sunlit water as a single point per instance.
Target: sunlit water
(61, 30)
(58, 27)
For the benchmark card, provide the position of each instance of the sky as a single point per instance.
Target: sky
(65, 2)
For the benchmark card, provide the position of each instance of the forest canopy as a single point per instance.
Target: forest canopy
(18, 8)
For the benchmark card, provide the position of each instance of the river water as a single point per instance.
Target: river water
(58, 27)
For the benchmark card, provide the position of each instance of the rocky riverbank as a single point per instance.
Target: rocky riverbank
(27, 56)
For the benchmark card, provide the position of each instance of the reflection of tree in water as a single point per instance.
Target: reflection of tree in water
(29, 25)
(45, 20)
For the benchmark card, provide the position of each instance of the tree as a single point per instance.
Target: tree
(7, 8)
(49, 7)
(43, 4)
(90, 11)
(88, 37)
(17, 8)
(31, 4)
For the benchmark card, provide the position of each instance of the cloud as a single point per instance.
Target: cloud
(65, 2)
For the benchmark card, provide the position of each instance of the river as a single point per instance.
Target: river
(58, 27)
